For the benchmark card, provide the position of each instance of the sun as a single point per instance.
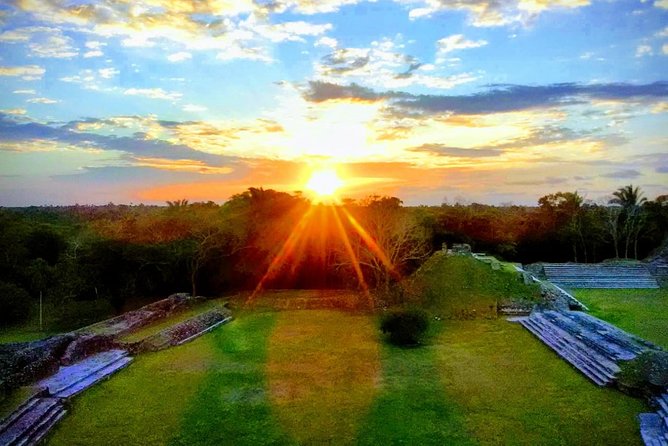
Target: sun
(324, 183)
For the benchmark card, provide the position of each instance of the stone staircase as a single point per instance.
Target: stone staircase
(654, 426)
(72, 379)
(30, 422)
(591, 345)
(574, 275)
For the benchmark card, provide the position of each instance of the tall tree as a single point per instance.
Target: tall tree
(387, 237)
(564, 209)
(631, 200)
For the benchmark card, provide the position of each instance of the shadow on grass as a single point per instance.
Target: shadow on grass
(411, 407)
(231, 406)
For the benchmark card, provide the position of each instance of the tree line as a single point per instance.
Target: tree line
(281, 240)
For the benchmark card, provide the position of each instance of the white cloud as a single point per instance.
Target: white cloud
(27, 72)
(644, 50)
(664, 48)
(291, 31)
(94, 49)
(243, 29)
(154, 93)
(14, 111)
(24, 92)
(194, 108)
(138, 41)
(457, 42)
(384, 64)
(485, 13)
(94, 44)
(663, 4)
(308, 6)
(42, 101)
(108, 73)
(55, 46)
(179, 57)
(327, 41)
(84, 76)
(24, 34)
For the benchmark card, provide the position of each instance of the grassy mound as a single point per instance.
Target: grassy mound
(460, 287)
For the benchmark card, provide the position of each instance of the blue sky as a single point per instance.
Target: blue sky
(494, 101)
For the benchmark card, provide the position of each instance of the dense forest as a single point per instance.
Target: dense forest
(274, 239)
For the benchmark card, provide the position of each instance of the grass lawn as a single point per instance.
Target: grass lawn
(326, 377)
(512, 389)
(641, 312)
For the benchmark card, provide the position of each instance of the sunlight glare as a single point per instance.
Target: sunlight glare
(324, 183)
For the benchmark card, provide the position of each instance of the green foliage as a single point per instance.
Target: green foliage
(460, 287)
(45, 243)
(14, 304)
(647, 373)
(405, 327)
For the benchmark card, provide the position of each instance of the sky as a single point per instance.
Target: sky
(431, 101)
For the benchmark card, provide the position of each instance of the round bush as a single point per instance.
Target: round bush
(405, 327)
(14, 304)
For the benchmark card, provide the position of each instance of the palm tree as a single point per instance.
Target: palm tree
(631, 200)
(628, 197)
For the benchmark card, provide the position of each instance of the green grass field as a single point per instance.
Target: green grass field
(327, 377)
(641, 312)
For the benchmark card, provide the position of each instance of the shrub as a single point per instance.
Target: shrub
(405, 327)
(645, 374)
(14, 304)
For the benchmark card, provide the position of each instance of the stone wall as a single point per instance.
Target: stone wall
(182, 332)
(26, 362)
(133, 320)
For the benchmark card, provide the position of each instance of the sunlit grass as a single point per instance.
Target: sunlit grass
(323, 369)
(512, 389)
(641, 312)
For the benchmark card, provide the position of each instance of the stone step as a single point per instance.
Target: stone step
(37, 433)
(604, 360)
(651, 430)
(662, 401)
(602, 365)
(94, 378)
(603, 369)
(576, 362)
(69, 375)
(577, 359)
(593, 339)
(21, 426)
(18, 413)
(609, 331)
